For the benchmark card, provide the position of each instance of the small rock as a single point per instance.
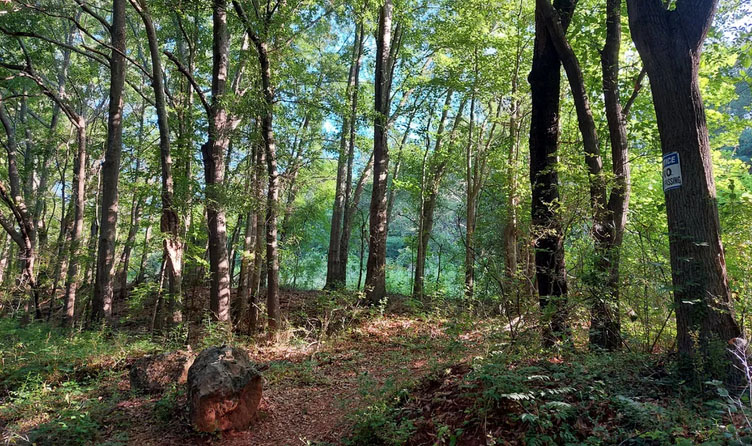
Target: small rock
(224, 390)
(156, 373)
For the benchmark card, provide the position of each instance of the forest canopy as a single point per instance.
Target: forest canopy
(582, 169)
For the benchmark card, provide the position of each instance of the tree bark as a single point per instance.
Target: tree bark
(258, 247)
(605, 324)
(336, 275)
(548, 236)
(170, 221)
(26, 234)
(376, 266)
(214, 152)
(77, 230)
(670, 45)
(103, 285)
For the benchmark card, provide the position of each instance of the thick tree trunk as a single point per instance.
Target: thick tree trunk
(103, 286)
(376, 265)
(336, 275)
(214, 152)
(670, 44)
(550, 271)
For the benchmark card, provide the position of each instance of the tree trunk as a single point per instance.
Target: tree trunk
(246, 264)
(511, 225)
(5, 256)
(258, 246)
(376, 266)
(170, 221)
(76, 236)
(141, 277)
(130, 240)
(350, 211)
(438, 165)
(550, 271)
(26, 234)
(103, 285)
(605, 326)
(670, 44)
(214, 152)
(336, 275)
(272, 255)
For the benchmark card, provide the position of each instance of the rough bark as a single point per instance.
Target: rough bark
(548, 236)
(214, 152)
(103, 285)
(670, 45)
(376, 266)
(605, 324)
(270, 149)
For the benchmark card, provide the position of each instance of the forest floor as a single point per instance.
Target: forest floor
(404, 374)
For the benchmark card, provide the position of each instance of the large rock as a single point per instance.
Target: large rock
(156, 373)
(224, 390)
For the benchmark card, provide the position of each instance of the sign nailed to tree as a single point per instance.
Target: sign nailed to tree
(672, 177)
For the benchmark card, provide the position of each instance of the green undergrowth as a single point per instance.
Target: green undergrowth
(56, 386)
(584, 399)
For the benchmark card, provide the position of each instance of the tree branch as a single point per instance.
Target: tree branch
(190, 78)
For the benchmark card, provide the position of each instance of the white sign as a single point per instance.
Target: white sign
(672, 177)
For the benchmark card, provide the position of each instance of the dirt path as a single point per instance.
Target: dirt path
(309, 394)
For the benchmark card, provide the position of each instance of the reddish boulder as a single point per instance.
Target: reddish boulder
(224, 390)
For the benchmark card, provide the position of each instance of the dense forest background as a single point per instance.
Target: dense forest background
(172, 165)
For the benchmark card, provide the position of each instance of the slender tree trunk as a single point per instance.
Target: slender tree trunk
(103, 286)
(363, 234)
(376, 266)
(76, 235)
(141, 276)
(170, 221)
(438, 165)
(5, 256)
(246, 264)
(511, 225)
(336, 275)
(548, 236)
(606, 316)
(605, 327)
(26, 234)
(258, 246)
(670, 44)
(233, 245)
(130, 240)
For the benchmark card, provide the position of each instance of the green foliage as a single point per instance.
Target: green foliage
(69, 428)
